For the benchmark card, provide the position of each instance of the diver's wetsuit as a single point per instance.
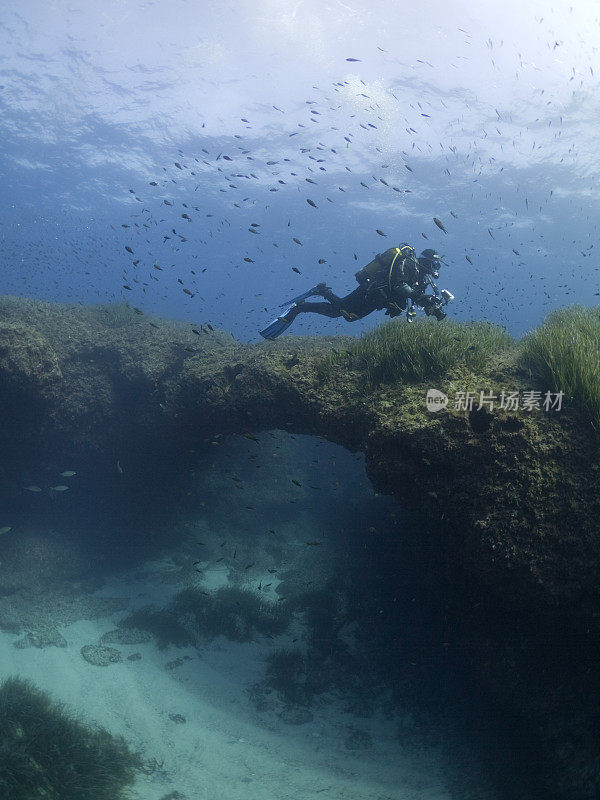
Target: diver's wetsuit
(386, 282)
(356, 305)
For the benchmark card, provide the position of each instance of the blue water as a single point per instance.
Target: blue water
(491, 115)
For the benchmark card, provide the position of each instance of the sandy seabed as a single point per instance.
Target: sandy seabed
(197, 725)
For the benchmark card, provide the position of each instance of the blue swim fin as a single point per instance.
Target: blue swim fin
(278, 326)
(316, 290)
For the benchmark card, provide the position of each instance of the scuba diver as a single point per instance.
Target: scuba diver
(395, 280)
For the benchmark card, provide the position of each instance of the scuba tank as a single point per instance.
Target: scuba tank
(380, 270)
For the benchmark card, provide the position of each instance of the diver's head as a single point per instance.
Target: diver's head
(429, 261)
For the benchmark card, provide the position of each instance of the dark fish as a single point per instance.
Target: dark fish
(454, 215)
(310, 203)
(381, 233)
(295, 269)
(313, 544)
(490, 233)
(185, 216)
(129, 250)
(353, 59)
(468, 259)
(297, 241)
(516, 252)
(440, 224)
(153, 183)
(178, 165)
(322, 261)
(249, 260)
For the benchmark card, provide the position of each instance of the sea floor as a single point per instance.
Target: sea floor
(190, 711)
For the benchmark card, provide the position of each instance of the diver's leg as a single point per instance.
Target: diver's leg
(326, 309)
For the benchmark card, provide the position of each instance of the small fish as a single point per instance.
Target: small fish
(249, 565)
(178, 165)
(297, 483)
(129, 250)
(322, 261)
(490, 233)
(68, 473)
(313, 544)
(119, 468)
(251, 437)
(297, 241)
(295, 269)
(249, 260)
(153, 183)
(5, 529)
(468, 259)
(516, 252)
(454, 215)
(440, 224)
(381, 233)
(60, 488)
(353, 59)
(33, 488)
(311, 203)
